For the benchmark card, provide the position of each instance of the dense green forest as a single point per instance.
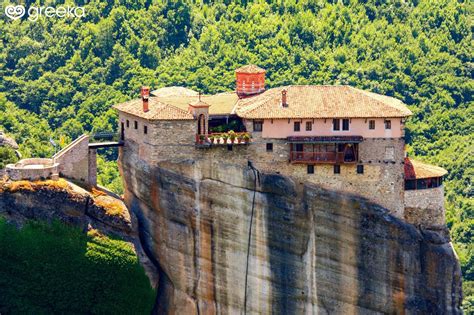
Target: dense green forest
(59, 77)
(95, 275)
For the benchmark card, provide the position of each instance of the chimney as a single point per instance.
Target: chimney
(145, 96)
(284, 102)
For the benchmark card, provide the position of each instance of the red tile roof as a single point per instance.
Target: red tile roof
(220, 104)
(250, 69)
(320, 101)
(304, 101)
(418, 170)
(157, 110)
(170, 91)
(199, 103)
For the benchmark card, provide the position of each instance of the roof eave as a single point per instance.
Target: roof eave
(151, 119)
(312, 117)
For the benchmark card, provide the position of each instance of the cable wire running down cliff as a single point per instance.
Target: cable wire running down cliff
(256, 175)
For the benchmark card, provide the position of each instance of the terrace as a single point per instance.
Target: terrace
(223, 138)
(324, 150)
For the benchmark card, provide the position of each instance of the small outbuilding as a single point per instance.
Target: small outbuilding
(424, 194)
(419, 175)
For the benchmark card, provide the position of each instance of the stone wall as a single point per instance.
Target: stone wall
(425, 207)
(382, 181)
(33, 169)
(74, 160)
(92, 177)
(163, 139)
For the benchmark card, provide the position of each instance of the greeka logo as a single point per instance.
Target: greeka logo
(15, 12)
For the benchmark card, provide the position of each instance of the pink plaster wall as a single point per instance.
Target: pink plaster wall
(280, 128)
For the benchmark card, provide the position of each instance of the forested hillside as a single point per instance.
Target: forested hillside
(94, 275)
(59, 77)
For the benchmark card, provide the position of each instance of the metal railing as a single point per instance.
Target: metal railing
(105, 136)
(321, 157)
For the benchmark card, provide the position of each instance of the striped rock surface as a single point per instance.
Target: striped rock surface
(310, 250)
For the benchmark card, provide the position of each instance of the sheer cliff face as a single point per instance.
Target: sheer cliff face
(310, 250)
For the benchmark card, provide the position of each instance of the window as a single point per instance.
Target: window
(269, 147)
(430, 182)
(360, 169)
(389, 153)
(309, 126)
(388, 124)
(345, 124)
(128, 123)
(136, 124)
(335, 124)
(145, 129)
(296, 126)
(410, 184)
(310, 169)
(371, 124)
(337, 169)
(257, 125)
(420, 184)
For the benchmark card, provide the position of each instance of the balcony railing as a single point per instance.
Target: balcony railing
(321, 157)
(223, 138)
(105, 136)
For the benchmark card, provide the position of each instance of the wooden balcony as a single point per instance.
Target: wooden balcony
(320, 158)
(328, 153)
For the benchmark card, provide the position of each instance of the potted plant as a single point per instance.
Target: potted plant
(225, 136)
(232, 136)
(246, 138)
(239, 138)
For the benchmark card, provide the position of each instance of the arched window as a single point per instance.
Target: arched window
(202, 125)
